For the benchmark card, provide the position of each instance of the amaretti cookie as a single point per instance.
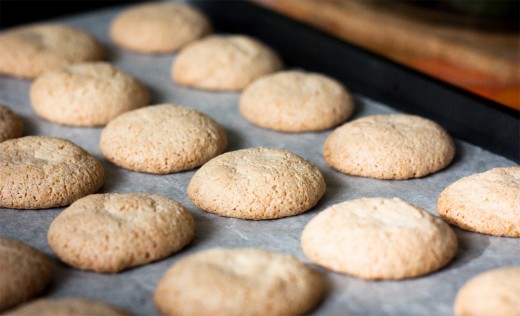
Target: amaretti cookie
(495, 292)
(374, 238)
(394, 146)
(113, 232)
(66, 307)
(224, 62)
(11, 126)
(294, 101)
(25, 272)
(162, 139)
(28, 51)
(257, 183)
(158, 27)
(43, 172)
(86, 94)
(240, 281)
(487, 202)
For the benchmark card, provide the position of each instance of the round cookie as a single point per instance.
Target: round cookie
(487, 203)
(293, 101)
(29, 51)
(66, 307)
(24, 272)
(240, 281)
(395, 146)
(495, 292)
(374, 238)
(257, 184)
(227, 63)
(162, 139)
(158, 27)
(11, 126)
(95, 232)
(43, 172)
(87, 94)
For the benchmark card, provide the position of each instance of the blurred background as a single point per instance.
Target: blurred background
(472, 44)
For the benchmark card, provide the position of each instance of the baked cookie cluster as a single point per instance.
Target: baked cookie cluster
(370, 238)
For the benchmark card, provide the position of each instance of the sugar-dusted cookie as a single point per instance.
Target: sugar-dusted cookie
(294, 101)
(43, 172)
(24, 272)
(113, 232)
(86, 94)
(28, 51)
(395, 146)
(162, 139)
(487, 202)
(158, 27)
(374, 238)
(226, 63)
(66, 307)
(257, 183)
(495, 292)
(11, 126)
(240, 281)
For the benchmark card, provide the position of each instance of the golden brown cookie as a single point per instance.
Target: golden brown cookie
(66, 307)
(257, 183)
(226, 63)
(240, 281)
(375, 238)
(487, 202)
(113, 232)
(158, 27)
(11, 126)
(43, 172)
(395, 146)
(294, 101)
(24, 272)
(495, 292)
(86, 94)
(28, 51)
(162, 139)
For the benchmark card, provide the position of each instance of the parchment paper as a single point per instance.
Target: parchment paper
(133, 289)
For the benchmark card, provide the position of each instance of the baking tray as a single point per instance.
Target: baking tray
(304, 48)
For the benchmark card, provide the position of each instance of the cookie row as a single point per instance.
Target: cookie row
(91, 94)
(140, 140)
(257, 183)
(255, 275)
(246, 273)
(29, 51)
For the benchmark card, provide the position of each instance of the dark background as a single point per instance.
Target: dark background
(16, 12)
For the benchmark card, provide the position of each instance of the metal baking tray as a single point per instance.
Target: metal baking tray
(486, 136)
